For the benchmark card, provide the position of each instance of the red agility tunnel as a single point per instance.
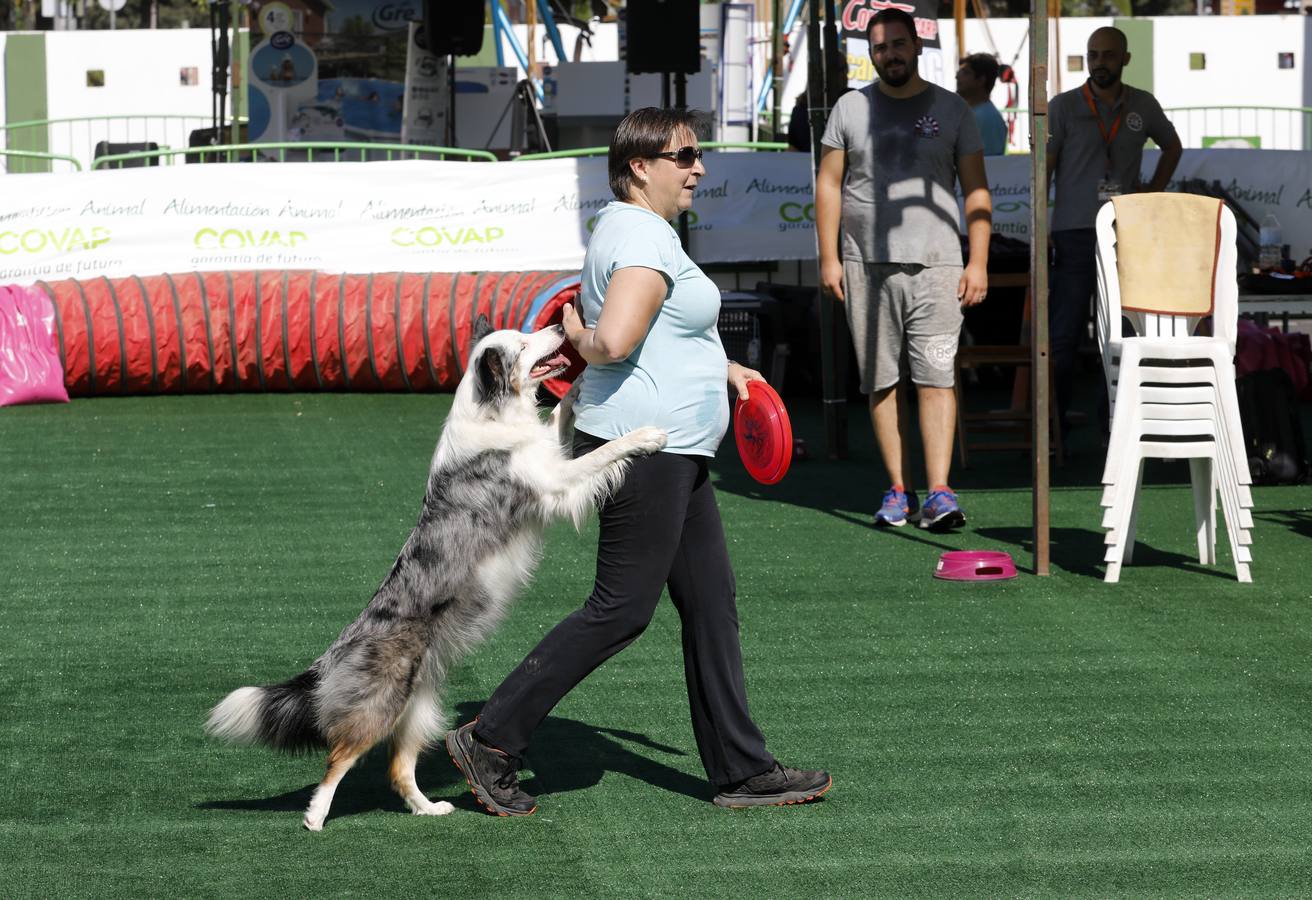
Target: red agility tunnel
(292, 331)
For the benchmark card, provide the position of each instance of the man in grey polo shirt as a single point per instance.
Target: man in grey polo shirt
(1095, 151)
(892, 155)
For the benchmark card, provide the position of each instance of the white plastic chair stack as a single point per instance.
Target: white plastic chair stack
(1165, 263)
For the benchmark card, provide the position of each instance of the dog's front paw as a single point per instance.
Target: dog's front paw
(648, 440)
(440, 808)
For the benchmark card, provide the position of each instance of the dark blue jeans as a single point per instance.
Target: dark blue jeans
(1073, 283)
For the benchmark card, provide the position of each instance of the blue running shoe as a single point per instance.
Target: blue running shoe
(897, 508)
(941, 511)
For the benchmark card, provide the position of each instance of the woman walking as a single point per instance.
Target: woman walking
(654, 358)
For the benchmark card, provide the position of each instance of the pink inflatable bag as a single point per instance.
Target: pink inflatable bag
(30, 369)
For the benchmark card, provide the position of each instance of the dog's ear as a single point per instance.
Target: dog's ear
(491, 371)
(482, 328)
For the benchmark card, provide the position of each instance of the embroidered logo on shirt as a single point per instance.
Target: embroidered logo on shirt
(927, 127)
(1134, 122)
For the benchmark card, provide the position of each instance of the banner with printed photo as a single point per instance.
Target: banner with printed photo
(854, 20)
(328, 71)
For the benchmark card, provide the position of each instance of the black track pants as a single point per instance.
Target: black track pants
(662, 527)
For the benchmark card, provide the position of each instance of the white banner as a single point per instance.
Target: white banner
(405, 216)
(417, 216)
(1261, 181)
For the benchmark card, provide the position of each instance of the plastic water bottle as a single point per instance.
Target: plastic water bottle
(1268, 254)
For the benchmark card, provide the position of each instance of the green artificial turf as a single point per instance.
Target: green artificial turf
(1038, 737)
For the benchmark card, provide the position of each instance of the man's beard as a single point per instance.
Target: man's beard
(1105, 78)
(903, 76)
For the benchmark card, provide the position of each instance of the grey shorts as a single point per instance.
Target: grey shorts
(904, 318)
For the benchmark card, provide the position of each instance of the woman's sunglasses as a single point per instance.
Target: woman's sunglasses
(684, 157)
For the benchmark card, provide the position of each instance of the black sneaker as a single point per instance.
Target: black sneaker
(490, 773)
(780, 786)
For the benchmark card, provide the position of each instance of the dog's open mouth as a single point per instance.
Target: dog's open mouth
(547, 366)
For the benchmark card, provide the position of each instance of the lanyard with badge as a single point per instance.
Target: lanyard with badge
(1108, 187)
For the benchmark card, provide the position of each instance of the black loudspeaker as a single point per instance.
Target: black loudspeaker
(454, 26)
(105, 148)
(663, 36)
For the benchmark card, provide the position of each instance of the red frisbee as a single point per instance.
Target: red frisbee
(763, 433)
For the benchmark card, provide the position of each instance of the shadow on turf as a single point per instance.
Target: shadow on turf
(1080, 552)
(850, 489)
(567, 755)
(1296, 520)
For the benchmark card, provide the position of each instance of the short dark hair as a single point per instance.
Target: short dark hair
(641, 135)
(985, 66)
(1121, 37)
(889, 15)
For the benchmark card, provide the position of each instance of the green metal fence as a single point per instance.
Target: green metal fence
(79, 136)
(288, 151)
(18, 162)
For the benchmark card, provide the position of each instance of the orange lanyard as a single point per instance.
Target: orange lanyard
(1107, 136)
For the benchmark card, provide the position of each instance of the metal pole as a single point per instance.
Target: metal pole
(815, 78)
(777, 66)
(553, 33)
(959, 17)
(1039, 356)
(1054, 13)
(680, 102)
(451, 101)
(531, 39)
(234, 40)
(832, 391)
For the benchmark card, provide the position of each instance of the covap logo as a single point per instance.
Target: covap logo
(246, 238)
(794, 216)
(434, 236)
(36, 241)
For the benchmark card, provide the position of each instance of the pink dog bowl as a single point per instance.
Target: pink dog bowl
(975, 565)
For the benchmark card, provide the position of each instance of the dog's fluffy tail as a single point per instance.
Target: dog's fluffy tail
(279, 715)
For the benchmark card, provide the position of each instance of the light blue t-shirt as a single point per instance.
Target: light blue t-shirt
(676, 378)
(992, 128)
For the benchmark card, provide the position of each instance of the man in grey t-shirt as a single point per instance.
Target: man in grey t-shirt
(891, 157)
(1095, 151)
